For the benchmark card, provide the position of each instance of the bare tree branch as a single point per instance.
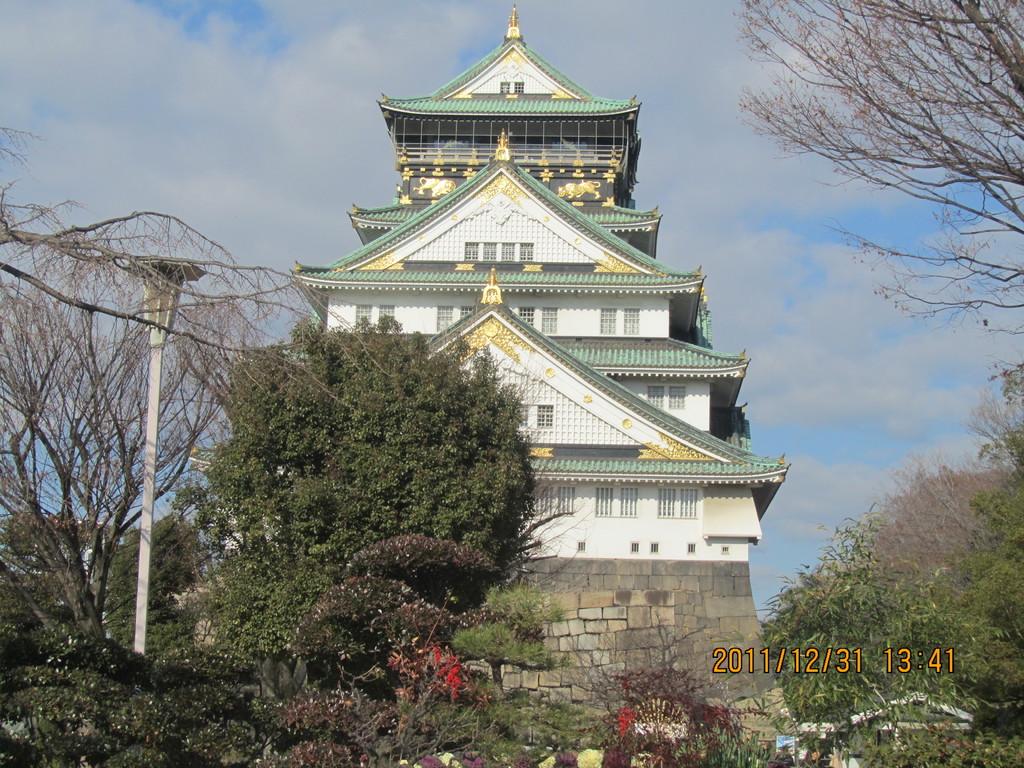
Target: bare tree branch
(922, 96)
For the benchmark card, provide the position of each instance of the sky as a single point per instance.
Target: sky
(256, 123)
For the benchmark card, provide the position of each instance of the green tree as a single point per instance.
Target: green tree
(511, 632)
(341, 440)
(853, 609)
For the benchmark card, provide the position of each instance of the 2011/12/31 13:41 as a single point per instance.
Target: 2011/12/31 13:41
(903, 660)
(818, 660)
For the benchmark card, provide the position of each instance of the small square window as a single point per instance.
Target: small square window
(634, 547)
(524, 415)
(445, 315)
(691, 548)
(549, 320)
(725, 549)
(508, 251)
(605, 497)
(631, 322)
(654, 547)
(465, 311)
(608, 322)
(471, 251)
(505, 87)
(526, 251)
(490, 252)
(545, 416)
(364, 312)
(581, 546)
(656, 395)
(387, 310)
(527, 314)
(519, 86)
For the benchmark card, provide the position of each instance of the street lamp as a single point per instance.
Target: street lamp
(163, 281)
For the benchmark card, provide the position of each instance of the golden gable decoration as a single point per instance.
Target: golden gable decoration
(673, 450)
(498, 334)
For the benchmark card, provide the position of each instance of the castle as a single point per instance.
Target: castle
(514, 230)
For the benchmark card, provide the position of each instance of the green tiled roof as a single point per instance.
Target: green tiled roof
(437, 102)
(479, 278)
(703, 440)
(557, 205)
(606, 467)
(614, 214)
(662, 353)
(502, 106)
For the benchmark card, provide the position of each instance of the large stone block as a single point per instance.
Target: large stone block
(589, 613)
(638, 616)
(623, 597)
(567, 601)
(658, 597)
(597, 599)
(614, 612)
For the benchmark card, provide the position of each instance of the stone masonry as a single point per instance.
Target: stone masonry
(634, 614)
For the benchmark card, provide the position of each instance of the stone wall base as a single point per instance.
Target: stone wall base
(643, 614)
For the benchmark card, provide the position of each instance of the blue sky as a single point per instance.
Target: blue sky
(256, 122)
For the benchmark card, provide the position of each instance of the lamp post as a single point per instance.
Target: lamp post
(163, 281)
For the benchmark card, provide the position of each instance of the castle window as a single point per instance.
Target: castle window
(631, 322)
(690, 502)
(524, 415)
(471, 251)
(527, 314)
(364, 312)
(654, 547)
(490, 251)
(387, 310)
(581, 546)
(666, 502)
(526, 251)
(691, 548)
(608, 321)
(445, 316)
(605, 497)
(505, 87)
(566, 499)
(508, 251)
(725, 549)
(627, 501)
(545, 416)
(465, 312)
(656, 395)
(519, 86)
(549, 320)
(634, 547)
(677, 397)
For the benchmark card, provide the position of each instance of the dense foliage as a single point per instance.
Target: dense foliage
(344, 439)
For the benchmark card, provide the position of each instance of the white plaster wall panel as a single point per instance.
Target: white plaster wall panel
(613, 537)
(573, 424)
(730, 512)
(514, 67)
(499, 225)
(696, 407)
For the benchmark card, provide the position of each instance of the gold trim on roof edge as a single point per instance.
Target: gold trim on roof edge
(496, 333)
(672, 449)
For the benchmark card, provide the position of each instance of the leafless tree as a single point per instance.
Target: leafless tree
(72, 435)
(927, 513)
(43, 255)
(922, 96)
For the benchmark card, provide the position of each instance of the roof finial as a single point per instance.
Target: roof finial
(513, 26)
(502, 152)
(492, 293)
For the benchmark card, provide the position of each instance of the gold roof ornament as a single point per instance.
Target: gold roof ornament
(513, 26)
(502, 152)
(492, 292)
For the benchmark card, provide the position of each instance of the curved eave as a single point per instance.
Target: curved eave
(682, 472)
(475, 281)
(507, 108)
(709, 372)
